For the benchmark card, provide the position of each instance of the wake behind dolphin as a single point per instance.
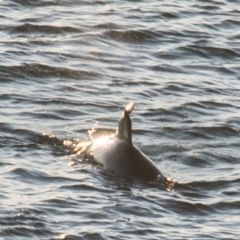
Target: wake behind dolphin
(117, 153)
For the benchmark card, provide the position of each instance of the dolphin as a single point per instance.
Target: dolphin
(117, 153)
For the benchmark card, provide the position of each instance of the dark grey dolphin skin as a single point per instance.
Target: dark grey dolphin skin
(117, 153)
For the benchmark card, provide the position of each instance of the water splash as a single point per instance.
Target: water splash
(93, 130)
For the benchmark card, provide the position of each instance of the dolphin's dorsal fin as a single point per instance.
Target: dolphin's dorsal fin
(124, 130)
(129, 108)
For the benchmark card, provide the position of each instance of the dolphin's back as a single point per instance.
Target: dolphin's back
(124, 159)
(117, 153)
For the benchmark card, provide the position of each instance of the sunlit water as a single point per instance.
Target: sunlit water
(67, 65)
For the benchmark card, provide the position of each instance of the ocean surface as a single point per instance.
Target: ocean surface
(67, 67)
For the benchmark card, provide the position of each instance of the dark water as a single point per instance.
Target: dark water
(65, 65)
